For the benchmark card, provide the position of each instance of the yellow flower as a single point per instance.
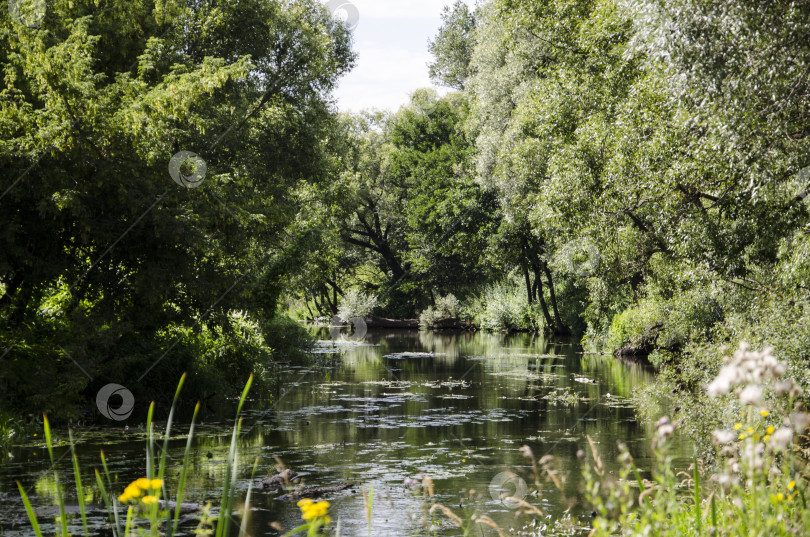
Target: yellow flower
(779, 497)
(791, 485)
(737, 426)
(766, 438)
(742, 437)
(131, 492)
(138, 487)
(749, 430)
(149, 500)
(321, 508)
(764, 413)
(770, 429)
(790, 498)
(311, 510)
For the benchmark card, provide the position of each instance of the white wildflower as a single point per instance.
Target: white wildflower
(664, 428)
(723, 436)
(800, 421)
(722, 384)
(746, 367)
(787, 387)
(781, 439)
(751, 395)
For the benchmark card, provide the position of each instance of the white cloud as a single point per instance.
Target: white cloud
(391, 40)
(383, 78)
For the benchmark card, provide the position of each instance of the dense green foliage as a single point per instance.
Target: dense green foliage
(106, 265)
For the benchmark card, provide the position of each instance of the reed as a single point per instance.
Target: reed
(142, 497)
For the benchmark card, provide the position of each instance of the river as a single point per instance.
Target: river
(382, 414)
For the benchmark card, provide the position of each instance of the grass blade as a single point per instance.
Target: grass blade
(60, 500)
(77, 476)
(226, 504)
(244, 395)
(150, 439)
(246, 509)
(117, 527)
(698, 511)
(166, 436)
(181, 485)
(105, 496)
(32, 516)
(128, 525)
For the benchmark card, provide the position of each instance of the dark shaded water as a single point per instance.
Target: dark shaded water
(458, 415)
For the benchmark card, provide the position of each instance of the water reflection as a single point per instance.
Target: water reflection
(404, 404)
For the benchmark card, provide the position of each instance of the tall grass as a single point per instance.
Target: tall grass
(755, 486)
(147, 510)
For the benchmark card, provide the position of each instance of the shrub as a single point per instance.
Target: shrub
(356, 303)
(686, 317)
(505, 306)
(446, 307)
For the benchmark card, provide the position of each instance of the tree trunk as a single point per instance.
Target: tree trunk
(529, 289)
(318, 306)
(560, 328)
(325, 299)
(540, 298)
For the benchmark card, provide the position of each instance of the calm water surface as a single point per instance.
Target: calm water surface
(402, 404)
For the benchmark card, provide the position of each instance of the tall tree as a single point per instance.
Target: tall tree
(452, 47)
(96, 101)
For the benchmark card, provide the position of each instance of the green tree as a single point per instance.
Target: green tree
(103, 256)
(452, 47)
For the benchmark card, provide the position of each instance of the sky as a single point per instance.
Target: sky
(391, 40)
